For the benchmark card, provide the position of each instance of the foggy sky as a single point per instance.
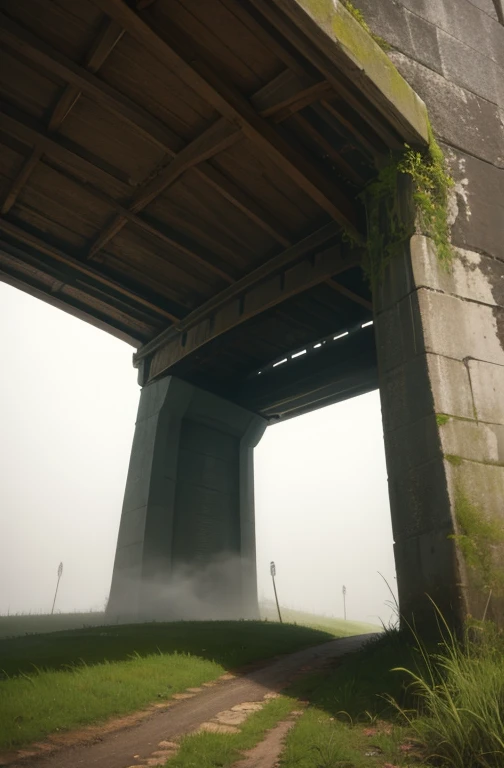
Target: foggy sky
(68, 400)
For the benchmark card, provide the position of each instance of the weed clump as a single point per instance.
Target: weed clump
(387, 230)
(460, 713)
(432, 183)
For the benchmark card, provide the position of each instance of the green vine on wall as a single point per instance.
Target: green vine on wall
(387, 226)
(432, 184)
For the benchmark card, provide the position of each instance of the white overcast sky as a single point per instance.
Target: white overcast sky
(68, 400)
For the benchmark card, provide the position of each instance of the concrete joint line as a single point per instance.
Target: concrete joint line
(457, 296)
(441, 29)
(466, 362)
(445, 529)
(464, 150)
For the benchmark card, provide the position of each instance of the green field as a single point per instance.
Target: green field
(32, 623)
(29, 623)
(337, 627)
(64, 671)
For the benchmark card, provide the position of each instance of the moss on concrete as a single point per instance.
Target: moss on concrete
(477, 538)
(347, 29)
(453, 459)
(442, 419)
(359, 17)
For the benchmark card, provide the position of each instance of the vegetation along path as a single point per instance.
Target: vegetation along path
(215, 708)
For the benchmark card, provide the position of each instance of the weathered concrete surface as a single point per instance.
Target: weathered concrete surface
(186, 545)
(441, 361)
(343, 40)
(440, 335)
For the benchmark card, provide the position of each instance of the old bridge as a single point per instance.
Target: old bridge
(189, 175)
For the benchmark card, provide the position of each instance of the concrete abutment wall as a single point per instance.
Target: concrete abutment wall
(440, 335)
(441, 369)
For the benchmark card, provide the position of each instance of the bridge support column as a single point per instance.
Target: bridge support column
(440, 345)
(186, 545)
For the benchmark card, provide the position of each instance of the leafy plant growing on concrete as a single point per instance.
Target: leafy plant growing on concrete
(432, 183)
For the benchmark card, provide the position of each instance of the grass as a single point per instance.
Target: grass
(215, 750)
(324, 737)
(395, 703)
(442, 706)
(230, 644)
(29, 623)
(460, 717)
(337, 627)
(68, 679)
(32, 706)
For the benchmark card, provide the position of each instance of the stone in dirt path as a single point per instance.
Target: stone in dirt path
(148, 740)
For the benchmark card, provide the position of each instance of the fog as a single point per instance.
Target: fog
(68, 400)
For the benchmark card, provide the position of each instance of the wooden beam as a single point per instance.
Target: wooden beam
(350, 294)
(63, 281)
(101, 50)
(232, 105)
(281, 98)
(16, 124)
(52, 148)
(41, 54)
(335, 155)
(20, 180)
(294, 279)
(216, 138)
(288, 93)
(105, 43)
(237, 197)
(274, 265)
(23, 236)
(336, 118)
(229, 296)
(268, 37)
(69, 305)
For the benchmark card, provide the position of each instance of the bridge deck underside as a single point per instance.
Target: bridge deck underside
(187, 168)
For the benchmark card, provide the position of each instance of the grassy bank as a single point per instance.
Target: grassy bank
(29, 623)
(338, 627)
(68, 679)
(395, 704)
(398, 703)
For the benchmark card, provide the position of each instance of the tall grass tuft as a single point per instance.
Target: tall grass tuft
(460, 700)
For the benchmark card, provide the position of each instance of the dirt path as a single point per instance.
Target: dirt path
(267, 753)
(146, 742)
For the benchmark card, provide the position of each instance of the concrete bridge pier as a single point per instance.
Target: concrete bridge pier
(186, 545)
(440, 345)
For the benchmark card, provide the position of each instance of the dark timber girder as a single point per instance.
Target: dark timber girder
(182, 174)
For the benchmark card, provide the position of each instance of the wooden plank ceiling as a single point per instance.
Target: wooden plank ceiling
(182, 171)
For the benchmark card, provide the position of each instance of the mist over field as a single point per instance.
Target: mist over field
(68, 400)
